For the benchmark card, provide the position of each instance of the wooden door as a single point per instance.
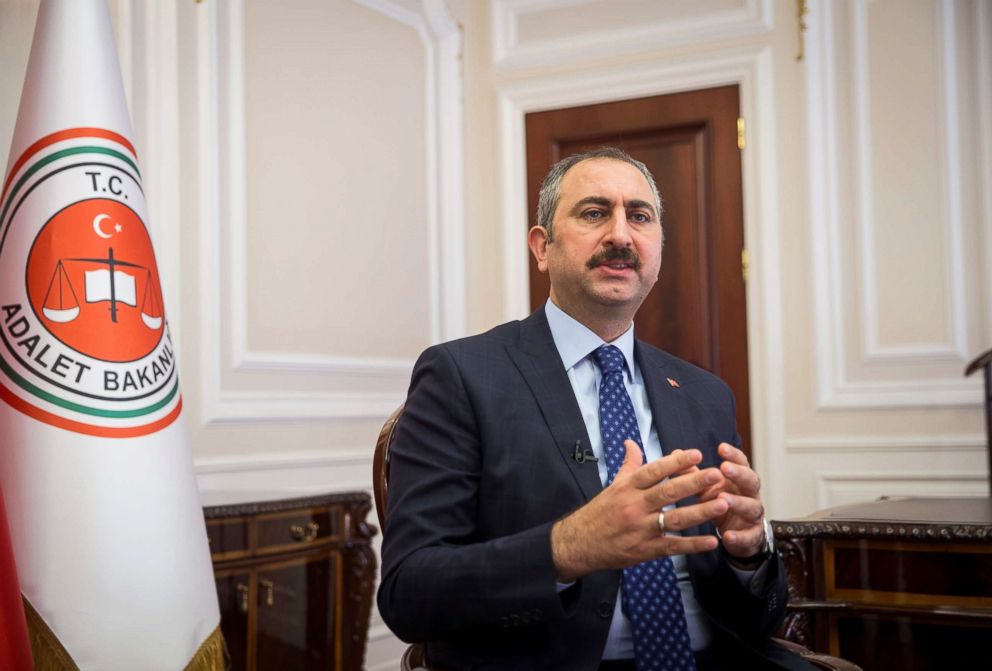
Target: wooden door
(689, 141)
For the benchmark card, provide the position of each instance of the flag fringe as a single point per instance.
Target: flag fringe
(211, 655)
(50, 655)
(47, 650)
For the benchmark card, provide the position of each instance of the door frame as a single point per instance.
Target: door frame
(750, 68)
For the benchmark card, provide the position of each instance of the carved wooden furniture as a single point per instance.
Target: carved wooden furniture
(294, 579)
(902, 583)
(414, 658)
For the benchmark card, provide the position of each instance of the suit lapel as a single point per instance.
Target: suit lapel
(669, 408)
(538, 361)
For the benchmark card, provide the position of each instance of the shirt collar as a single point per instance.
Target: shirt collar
(574, 341)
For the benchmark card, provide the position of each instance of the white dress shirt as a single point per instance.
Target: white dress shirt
(575, 343)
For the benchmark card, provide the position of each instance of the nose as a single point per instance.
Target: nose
(618, 233)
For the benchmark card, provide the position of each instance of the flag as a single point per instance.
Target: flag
(95, 463)
(15, 654)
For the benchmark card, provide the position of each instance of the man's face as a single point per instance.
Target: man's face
(606, 249)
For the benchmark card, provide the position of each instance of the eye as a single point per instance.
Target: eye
(593, 215)
(640, 218)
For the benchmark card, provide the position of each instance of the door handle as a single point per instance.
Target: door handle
(305, 535)
(243, 596)
(269, 592)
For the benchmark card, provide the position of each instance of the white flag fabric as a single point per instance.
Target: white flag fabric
(95, 463)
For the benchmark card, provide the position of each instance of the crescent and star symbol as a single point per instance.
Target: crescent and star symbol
(98, 219)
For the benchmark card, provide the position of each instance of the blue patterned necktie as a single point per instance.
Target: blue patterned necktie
(650, 596)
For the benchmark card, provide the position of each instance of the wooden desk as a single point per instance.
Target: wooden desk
(899, 583)
(294, 579)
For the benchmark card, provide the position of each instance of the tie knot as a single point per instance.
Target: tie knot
(609, 358)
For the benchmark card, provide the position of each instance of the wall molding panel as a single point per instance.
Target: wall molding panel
(869, 444)
(858, 373)
(955, 348)
(296, 474)
(834, 489)
(241, 384)
(983, 40)
(753, 17)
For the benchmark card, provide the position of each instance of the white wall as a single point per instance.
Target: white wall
(868, 214)
(335, 184)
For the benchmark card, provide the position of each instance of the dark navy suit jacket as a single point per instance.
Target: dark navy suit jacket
(482, 465)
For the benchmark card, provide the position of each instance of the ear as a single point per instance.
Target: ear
(537, 240)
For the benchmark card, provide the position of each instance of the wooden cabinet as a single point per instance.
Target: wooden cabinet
(896, 583)
(294, 580)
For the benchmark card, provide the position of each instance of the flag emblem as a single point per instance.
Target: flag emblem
(91, 429)
(84, 343)
(672, 382)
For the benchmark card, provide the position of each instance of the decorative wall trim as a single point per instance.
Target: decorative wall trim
(269, 462)
(917, 393)
(147, 52)
(269, 406)
(751, 68)
(754, 17)
(869, 444)
(836, 386)
(282, 362)
(951, 138)
(983, 40)
(298, 474)
(208, 204)
(955, 348)
(866, 486)
(223, 199)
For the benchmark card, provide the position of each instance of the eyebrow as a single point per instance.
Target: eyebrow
(633, 204)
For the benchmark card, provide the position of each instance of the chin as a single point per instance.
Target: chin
(616, 300)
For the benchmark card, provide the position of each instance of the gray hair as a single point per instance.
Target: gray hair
(550, 193)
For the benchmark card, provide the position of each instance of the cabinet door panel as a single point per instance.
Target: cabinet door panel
(229, 539)
(296, 625)
(234, 597)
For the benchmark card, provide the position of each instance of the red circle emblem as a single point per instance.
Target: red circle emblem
(93, 282)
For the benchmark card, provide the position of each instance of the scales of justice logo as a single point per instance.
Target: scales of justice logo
(85, 343)
(87, 271)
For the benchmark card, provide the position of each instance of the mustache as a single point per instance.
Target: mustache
(611, 254)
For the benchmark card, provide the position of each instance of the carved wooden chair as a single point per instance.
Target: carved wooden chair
(414, 658)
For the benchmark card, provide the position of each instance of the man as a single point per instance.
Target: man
(523, 531)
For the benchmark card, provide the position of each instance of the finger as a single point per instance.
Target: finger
(744, 542)
(666, 546)
(677, 488)
(659, 469)
(731, 453)
(746, 508)
(686, 517)
(713, 491)
(632, 460)
(745, 479)
(686, 471)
